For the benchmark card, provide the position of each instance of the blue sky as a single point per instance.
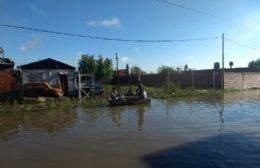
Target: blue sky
(131, 19)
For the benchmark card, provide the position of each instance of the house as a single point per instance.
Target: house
(121, 73)
(52, 71)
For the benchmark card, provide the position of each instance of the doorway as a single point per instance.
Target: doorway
(64, 83)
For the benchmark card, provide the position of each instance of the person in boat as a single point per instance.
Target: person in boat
(114, 94)
(129, 92)
(141, 93)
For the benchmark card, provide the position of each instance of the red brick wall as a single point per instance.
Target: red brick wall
(6, 81)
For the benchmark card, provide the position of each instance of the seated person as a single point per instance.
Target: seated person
(129, 92)
(114, 94)
(141, 93)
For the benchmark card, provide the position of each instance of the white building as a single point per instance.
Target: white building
(53, 72)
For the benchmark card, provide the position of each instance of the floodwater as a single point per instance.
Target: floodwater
(221, 132)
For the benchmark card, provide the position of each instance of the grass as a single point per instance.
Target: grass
(46, 104)
(167, 91)
(37, 105)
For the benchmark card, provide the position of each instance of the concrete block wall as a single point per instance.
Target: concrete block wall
(242, 80)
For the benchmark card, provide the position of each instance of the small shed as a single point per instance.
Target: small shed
(52, 71)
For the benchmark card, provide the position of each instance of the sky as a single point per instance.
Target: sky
(239, 20)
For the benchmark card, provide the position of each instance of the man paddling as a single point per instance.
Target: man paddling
(141, 93)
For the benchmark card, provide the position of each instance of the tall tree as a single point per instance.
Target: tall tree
(100, 70)
(108, 68)
(254, 64)
(186, 68)
(103, 68)
(136, 70)
(163, 69)
(231, 64)
(87, 64)
(216, 65)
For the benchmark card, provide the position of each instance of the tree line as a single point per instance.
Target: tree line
(103, 67)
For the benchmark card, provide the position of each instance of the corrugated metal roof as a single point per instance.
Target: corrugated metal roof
(47, 64)
(6, 63)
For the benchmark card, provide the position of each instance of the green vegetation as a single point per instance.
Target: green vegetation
(37, 104)
(216, 66)
(169, 91)
(163, 69)
(103, 68)
(136, 70)
(231, 64)
(46, 104)
(254, 64)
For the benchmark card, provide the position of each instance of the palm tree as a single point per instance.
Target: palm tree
(231, 64)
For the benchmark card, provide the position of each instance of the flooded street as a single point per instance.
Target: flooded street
(183, 133)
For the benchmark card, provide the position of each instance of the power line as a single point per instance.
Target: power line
(240, 44)
(189, 9)
(108, 39)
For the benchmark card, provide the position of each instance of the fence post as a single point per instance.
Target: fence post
(192, 79)
(168, 80)
(79, 87)
(214, 80)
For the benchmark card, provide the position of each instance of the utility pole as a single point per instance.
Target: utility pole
(116, 63)
(223, 62)
(117, 71)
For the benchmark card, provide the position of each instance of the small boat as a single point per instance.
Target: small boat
(124, 101)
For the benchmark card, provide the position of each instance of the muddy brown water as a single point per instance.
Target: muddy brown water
(183, 133)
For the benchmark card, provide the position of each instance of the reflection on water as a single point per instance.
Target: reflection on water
(192, 132)
(50, 122)
(139, 110)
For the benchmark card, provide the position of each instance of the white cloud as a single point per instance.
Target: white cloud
(32, 43)
(113, 22)
(36, 9)
(124, 60)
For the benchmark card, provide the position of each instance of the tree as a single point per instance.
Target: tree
(163, 69)
(108, 68)
(102, 68)
(254, 64)
(136, 70)
(87, 64)
(231, 64)
(216, 65)
(186, 68)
